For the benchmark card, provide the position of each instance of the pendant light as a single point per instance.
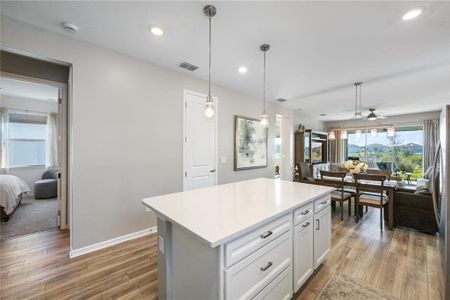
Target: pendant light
(344, 135)
(331, 135)
(209, 111)
(358, 133)
(373, 132)
(264, 119)
(391, 131)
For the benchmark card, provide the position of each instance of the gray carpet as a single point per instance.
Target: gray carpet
(31, 216)
(342, 287)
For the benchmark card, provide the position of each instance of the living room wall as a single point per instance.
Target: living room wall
(126, 138)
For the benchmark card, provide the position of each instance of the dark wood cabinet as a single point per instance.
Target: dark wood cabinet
(310, 147)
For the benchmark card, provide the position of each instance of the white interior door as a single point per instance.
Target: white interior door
(199, 143)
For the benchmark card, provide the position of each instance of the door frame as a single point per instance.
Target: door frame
(216, 117)
(65, 130)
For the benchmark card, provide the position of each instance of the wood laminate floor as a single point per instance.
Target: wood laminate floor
(402, 263)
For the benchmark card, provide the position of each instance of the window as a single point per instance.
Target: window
(26, 141)
(401, 153)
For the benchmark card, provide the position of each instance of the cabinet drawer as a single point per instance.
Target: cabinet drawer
(279, 288)
(321, 203)
(303, 213)
(248, 277)
(249, 243)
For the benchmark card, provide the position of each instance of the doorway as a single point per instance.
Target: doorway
(200, 143)
(283, 157)
(33, 155)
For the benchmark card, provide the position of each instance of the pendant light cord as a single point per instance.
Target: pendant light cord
(264, 84)
(360, 97)
(209, 75)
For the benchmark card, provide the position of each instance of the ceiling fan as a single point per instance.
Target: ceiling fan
(372, 116)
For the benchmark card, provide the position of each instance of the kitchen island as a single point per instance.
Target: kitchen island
(259, 238)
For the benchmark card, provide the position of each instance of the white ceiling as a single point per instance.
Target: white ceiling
(22, 89)
(318, 49)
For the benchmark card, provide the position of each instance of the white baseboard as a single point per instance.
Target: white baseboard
(91, 248)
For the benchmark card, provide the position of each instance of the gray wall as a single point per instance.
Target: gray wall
(127, 131)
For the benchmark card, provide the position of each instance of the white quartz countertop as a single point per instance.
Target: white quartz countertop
(221, 213)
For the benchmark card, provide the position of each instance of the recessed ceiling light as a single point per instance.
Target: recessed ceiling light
(155, 30)
(412, 14)
(242, 70)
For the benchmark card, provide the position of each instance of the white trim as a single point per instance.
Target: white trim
(216, 129)
(128, 237)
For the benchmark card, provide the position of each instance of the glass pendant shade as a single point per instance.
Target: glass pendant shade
(358, 133)
(208, 111)
(264, 120)
(332, 135)
(344, 135)
(391, 131)
(373, 132)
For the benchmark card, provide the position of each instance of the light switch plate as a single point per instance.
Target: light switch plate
(223, 159)
(161, 244)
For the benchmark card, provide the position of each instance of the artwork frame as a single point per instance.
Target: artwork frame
(256, 148)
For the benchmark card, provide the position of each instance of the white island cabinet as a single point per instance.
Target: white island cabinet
(253, 239)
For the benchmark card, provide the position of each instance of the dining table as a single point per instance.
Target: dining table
(389, 186)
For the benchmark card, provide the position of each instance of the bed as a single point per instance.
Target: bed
(11, 190)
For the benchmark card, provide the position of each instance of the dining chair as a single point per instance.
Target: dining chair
(386, 173)
(370, 191)
(305, 173)
(336, 179)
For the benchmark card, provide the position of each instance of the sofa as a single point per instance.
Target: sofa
(47, 186)
(413, 208)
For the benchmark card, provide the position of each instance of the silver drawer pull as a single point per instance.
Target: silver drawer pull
(269, 264)
(317, 224)
(324, 202)
(266, 234)
(306, 224)
(305, 212)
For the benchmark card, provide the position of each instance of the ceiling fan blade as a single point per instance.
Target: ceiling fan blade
(381, 117)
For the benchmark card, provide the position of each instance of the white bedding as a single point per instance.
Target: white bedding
(10, 188)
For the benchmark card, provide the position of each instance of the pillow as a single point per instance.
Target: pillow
(422, 191)
(422, 184)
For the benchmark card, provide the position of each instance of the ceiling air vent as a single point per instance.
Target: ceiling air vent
(188, 66)
(281, 100)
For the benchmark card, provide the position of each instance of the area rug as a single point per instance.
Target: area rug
(31, 216)
(341, 287)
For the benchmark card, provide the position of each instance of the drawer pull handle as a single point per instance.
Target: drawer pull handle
(305, 212)
(306, 224)
(267, 234)
(269, 264)
(324, 202)
(317, 224)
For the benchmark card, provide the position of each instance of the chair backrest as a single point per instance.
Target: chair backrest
(305, 171)
(386, 173)
(373, 183)
(335, 179)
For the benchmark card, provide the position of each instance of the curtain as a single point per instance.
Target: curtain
(4, 120)
(336, 149)
(51, 158)
(430, 140)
